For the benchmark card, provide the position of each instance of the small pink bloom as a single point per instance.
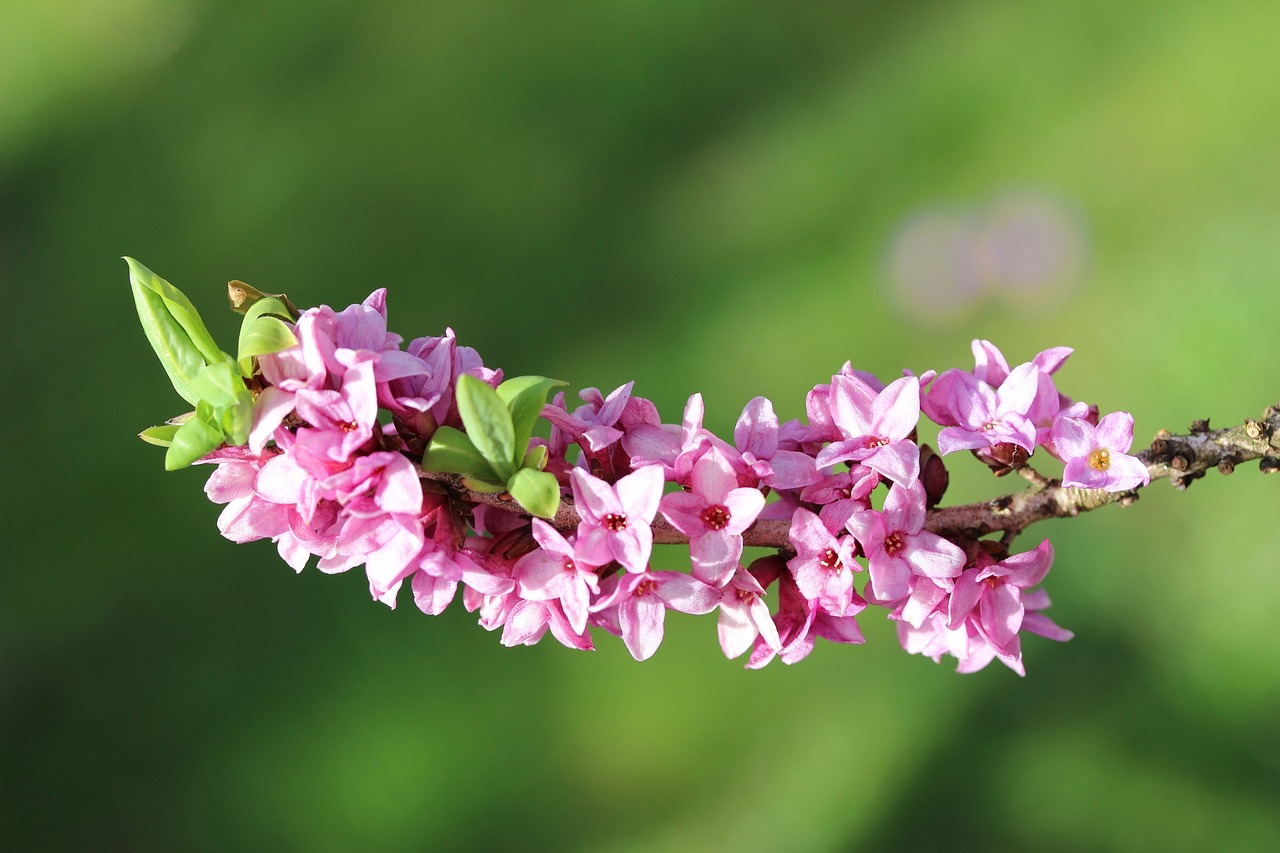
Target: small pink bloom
(875, 427)
(823, 565)
(556, 571)
(1098, 457)
(614, 520)
(713, 516)
(642, 599)
(800, 622)
(744, 616)
(898, 547)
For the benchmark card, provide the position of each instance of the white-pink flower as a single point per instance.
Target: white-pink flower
(1098, 457)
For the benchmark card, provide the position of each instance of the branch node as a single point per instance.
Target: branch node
(1179, 463)
(1253, 428)
(1269, 465)
(1128, 498)
(1226, 466)
(1200, 426)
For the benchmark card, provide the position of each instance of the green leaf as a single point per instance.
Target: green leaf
(160, 436)
(452, 452)
(179, 310)
(536, 458)
(483, 486)
(192, 440)
(180, 357)
(488, 424)
(536, 491)
(261, 336)
(237, 420)
(220, 385)
(524, 397)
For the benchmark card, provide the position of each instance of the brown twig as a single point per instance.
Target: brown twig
(1181, 459)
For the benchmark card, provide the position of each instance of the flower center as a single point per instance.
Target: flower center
(645, 587)
(875, 441)
(616, 521)
(893, 543)
(989, 426)
(1100, 459)
(570, 566)
(829, 559)
(746, 596)
(716, 517)
(348, 426)
(991, 582)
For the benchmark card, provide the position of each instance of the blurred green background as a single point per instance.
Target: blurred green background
(731, 197)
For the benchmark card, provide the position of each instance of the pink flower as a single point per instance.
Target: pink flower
(823, 565)
(713, 516)
(642, 599)
(898, 547)
(614, 520)
(800, 622)
(985, 417)
(527, 621)
(1097, 457)
(744, 616)
(876, 428)
(591, 426)
(556, 571)
(756, 435)
(673, 447)
(993, 594)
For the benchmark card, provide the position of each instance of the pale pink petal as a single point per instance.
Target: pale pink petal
(899, 462)
(736, 630)
(715, 555)
(684, 511)
(1126, 472)
(269, 411)
(713, 477)
(432, 594)
(631, 547)
(931, 555)
(640, 491)
(1115, 432)
(904, 508)
(964, 597)
(594, 497)
(1001, 613)
(896, 410)
(792, 470)
(744, 507)
(757, 430)
(641, 618)
(1073, 437)
(685, 593)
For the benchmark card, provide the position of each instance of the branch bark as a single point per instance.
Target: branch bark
(1181, 459)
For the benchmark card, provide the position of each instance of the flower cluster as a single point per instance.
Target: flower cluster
(363, 451)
